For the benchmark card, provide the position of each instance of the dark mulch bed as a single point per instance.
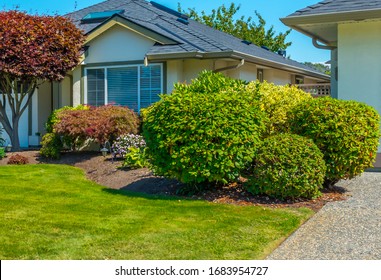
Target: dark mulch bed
(106, 172)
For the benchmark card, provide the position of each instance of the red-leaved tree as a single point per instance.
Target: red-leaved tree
(33, 49)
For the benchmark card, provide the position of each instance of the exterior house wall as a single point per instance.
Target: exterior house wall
(175, 73)
(44, 105)
(248, 72)
(66, 92)
(194, 66)
(77, 77)
(277, 77)
(118, 44)
(359, 62)
(309, 81)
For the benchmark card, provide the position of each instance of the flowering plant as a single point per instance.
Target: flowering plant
(123, 143)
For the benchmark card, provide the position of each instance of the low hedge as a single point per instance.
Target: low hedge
(287, 166)
(347, 133)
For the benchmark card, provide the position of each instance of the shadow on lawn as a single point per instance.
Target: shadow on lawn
(125, 192)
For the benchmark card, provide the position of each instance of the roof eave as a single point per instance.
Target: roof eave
(135, 27)
(358, 15)
(237, 55)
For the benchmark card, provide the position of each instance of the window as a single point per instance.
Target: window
(135, 86)
(95, 87)
(299, 80)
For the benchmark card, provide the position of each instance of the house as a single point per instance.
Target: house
(351, 30)
(138, 49)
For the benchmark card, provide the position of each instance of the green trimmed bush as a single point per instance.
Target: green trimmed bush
(288, 166)
(277, 102)
(207, 136)
(51, 146)
(2, 153)
(347, 133)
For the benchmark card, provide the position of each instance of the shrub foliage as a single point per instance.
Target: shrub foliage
(2, 153)
(74, 126)
(203, 133)
(347, 132)
(18, 159)
(104, 123)
(51, 146)
(277, 102)
(288, 166)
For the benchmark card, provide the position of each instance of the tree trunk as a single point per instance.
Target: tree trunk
(15, 135)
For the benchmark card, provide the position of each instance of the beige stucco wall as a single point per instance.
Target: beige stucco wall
(175, 73)
(277, 77)
(65, 95)
(118, 44)
(44, 105)
(359, 62)
(77, 76)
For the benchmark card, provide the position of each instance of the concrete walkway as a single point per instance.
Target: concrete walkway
(343, 230)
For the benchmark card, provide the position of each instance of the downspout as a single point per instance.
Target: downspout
(322, 47)
(242, 62)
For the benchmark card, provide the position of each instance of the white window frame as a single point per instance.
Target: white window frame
(105, 68)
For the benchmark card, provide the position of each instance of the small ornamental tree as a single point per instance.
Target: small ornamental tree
(33, 49)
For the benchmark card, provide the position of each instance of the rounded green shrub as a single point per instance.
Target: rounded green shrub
(347, 133)
(207, 136)
(277, 102)
(287, 166)
(51, 146)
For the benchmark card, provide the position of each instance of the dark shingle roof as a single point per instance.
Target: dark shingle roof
(338, 6)
(191, 37)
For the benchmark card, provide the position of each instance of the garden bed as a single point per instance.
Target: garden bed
(106, 172)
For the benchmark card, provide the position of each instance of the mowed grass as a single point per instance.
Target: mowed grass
(54, 212)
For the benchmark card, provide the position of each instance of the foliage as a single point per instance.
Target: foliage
(288, 166)
(347, 132)
(48, 210)
(203, 136)
(106, 123)
(208, 81)
(18, 159)
(51, 146)
(122, 144)
(323, 68)
(33, 49)
(55, 115)
(102, 124)
(136, 158)
(2, 153)
(277, 102)
(223, 19)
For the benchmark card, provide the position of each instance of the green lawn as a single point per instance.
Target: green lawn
(53, 212)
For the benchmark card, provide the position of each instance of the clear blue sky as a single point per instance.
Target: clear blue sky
(271, 10)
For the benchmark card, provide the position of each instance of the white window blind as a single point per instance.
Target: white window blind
(150, 85)
(135, 86)
(123, 87)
